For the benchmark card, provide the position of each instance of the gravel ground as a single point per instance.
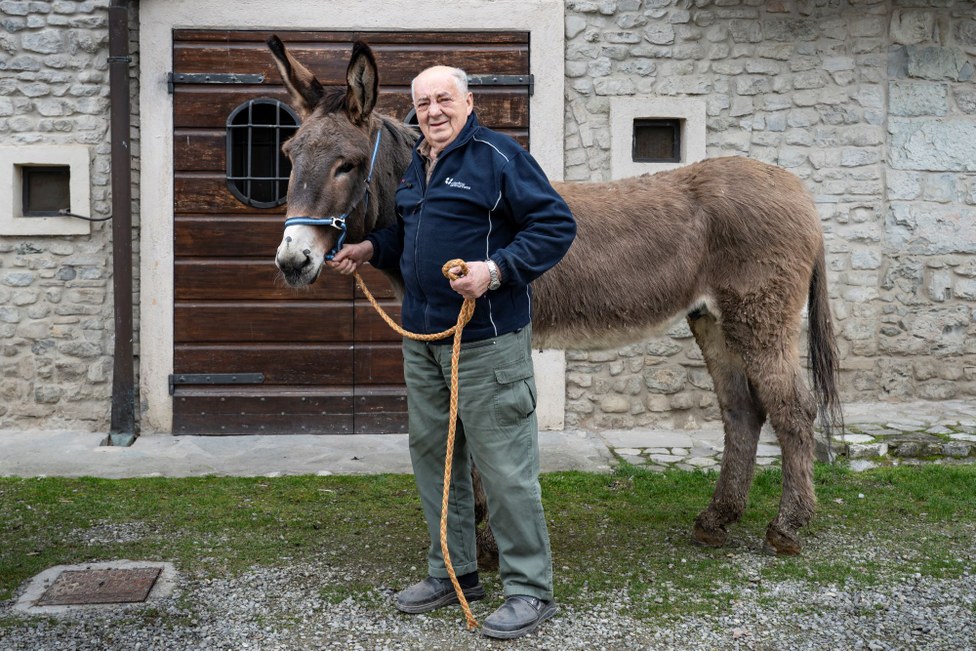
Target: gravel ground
(293, 607)
(281, 609)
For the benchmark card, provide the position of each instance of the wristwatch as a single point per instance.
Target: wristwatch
(496, 279)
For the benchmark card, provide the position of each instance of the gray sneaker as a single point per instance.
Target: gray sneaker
(518, 616)
(433, 593)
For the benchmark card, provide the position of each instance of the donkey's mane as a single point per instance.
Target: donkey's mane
(404, 135)
(333, 100)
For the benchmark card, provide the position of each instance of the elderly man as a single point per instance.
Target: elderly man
(474, 194)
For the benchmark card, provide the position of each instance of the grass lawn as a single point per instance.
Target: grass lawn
(624, 534)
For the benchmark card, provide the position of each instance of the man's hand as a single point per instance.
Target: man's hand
(475, 283)
(351, 257)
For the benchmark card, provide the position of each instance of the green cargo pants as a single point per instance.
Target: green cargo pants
(497, 429)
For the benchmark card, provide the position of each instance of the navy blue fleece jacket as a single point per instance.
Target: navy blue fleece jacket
(487, 199)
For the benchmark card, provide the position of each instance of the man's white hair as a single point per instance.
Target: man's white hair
(460, 79)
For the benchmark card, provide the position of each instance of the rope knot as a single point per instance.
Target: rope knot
(450, 264)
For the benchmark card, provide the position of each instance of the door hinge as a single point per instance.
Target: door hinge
(213, 378)
(503, 80)
(211, 78)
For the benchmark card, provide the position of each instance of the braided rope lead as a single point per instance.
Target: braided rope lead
(465, 314)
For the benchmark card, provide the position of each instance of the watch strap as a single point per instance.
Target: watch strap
(495, 278)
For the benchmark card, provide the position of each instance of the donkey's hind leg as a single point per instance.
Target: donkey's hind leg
(775, 371)
(743, 416)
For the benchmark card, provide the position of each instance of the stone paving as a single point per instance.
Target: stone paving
(876, 434)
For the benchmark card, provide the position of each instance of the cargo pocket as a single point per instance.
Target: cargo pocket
(515, 396)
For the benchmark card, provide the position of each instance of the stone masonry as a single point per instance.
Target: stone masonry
(873, 104)
(56, 314)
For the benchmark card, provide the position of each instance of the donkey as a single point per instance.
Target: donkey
(733, 245)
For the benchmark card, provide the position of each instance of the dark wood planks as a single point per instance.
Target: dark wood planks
(245, 410)
(330, 364)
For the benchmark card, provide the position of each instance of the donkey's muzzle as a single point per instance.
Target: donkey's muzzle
(297, 265)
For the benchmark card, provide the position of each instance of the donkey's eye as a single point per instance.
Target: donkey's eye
(345, 168)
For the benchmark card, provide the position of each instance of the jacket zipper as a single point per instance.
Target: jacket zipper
(420, 221)
(416, 252)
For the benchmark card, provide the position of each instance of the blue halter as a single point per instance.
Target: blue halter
(340, 221)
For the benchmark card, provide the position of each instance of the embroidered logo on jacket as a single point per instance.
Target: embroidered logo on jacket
(456, 184)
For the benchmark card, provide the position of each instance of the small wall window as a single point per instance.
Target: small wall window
(46, 190)
(653, 134)
(657, 141)
(257, 170)
(37, 182)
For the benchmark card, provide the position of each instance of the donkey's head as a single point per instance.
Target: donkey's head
(331, 155)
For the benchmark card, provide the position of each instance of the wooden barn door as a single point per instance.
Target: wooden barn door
(250, 354)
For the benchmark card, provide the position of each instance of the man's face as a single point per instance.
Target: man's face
(441, 109)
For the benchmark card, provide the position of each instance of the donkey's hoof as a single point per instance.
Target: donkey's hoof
(708, 537)
(782, 542)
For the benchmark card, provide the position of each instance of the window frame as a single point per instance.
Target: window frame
(14, 159)
(246, 197)
(689, 112)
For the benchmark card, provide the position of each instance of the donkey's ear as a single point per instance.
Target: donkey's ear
(361, 83)
(305, 89)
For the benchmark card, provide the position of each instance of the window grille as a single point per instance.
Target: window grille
(46, 190)
(657, 141)
(257, 170)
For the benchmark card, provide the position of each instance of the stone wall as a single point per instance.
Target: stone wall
(873, 104)
(56, 305)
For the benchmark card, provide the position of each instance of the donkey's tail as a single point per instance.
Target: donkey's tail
(824, 356)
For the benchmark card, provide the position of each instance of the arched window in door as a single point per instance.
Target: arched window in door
(257, 170)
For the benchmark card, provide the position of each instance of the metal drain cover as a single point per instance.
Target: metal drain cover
(110, 586)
